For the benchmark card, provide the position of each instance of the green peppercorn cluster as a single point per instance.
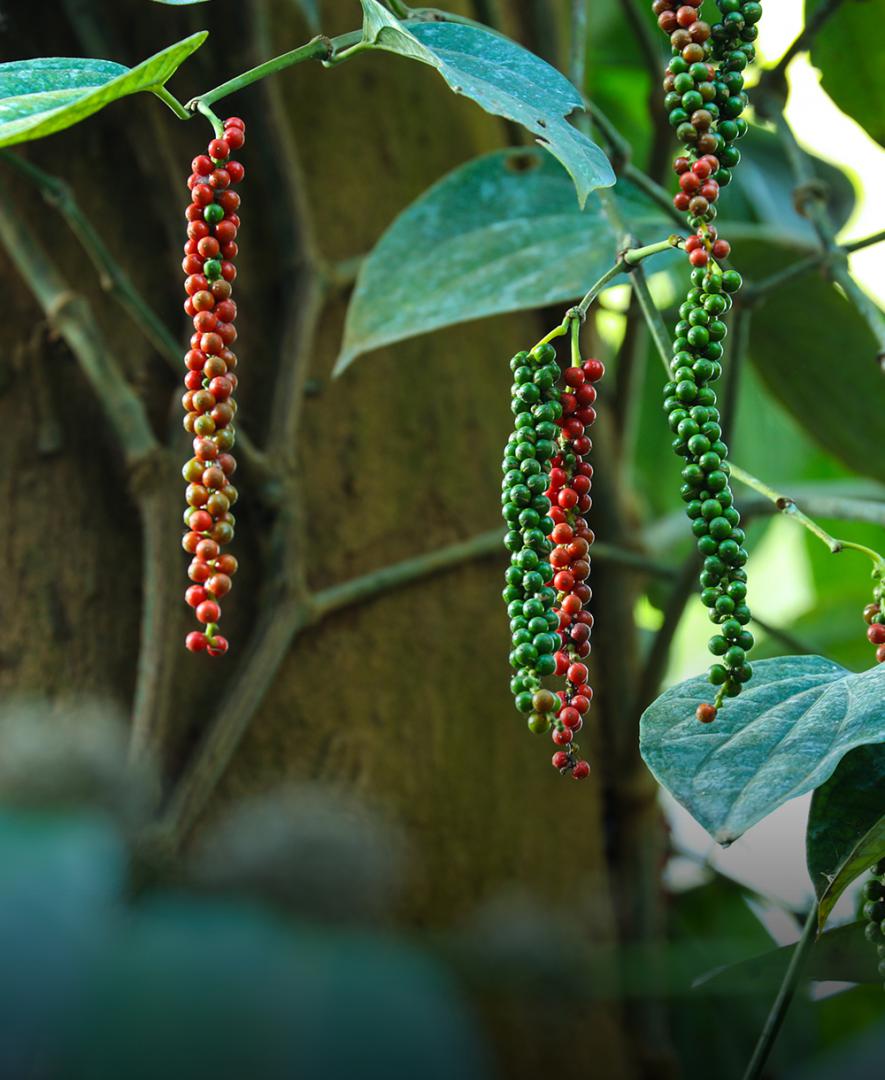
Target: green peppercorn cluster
(690, 404)
(874, 911)
(705, 99)
(528, 593)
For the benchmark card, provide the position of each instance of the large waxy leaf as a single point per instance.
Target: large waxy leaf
(762, 191)
(502, 77)
(846, 825)
(783, 736)
(841, 955)
(857, 86)
(40, 97)
(501, 233)
(795, 337)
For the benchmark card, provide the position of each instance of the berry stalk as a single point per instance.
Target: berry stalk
(211, 381)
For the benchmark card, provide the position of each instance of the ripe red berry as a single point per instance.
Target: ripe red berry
(706, 713)
(594, 370)
(195, 595)
(560, 760)
(699, 257)
(577, 674)
(218, 646)
(562, 737)
(196, 641)
(208, 612)
(876, 634)
(219, 150)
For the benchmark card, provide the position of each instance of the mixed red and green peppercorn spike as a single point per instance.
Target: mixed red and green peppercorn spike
(211, 380)
(704, 97)
(545, 497)
(874, 911)
(874, 617)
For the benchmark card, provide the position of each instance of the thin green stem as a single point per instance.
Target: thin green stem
(864, 242)
(204, 109)
(784, 998)
(174, 104)
(866, 306)
(628, 261)
(576, 343)
(319, 48)
(737, 354)
(654, 190)
(653, 318)
(788, 507)
(813, 202)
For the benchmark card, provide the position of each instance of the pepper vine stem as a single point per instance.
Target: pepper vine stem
(628, 262)
(318, 48)
(784, 997)
(787, 506)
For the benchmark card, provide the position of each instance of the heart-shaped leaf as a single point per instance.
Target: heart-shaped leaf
(858, 87)
(40, 97)
(783, 736)
(840, 955)
(846, 825)
(502, 77)
(794, 336)
(501, 233)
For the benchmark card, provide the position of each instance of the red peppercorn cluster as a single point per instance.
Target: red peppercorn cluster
(569, 493)
(211, 380)
(874, 617)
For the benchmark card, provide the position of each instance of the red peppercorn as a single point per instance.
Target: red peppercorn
(195, 641)
(218, 646)
(581, 771)
(208, 612)
(594, 370)
(706, 713)
(876, 634)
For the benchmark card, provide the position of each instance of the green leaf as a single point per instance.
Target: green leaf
(783, 736)
(846, 825)
(501, 233)
(762, 191)
(794, 337)
(502, 77)
(40, 97)
(857, 87)
(841, 955)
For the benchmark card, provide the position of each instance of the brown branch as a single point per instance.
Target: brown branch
(150, 467)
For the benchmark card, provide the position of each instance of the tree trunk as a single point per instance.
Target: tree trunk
(404, 699)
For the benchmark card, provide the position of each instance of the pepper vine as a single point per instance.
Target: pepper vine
(704, 98)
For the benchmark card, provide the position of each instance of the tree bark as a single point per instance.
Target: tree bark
(403, 700)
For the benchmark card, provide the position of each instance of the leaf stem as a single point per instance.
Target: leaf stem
(319, 48)
(653, 318)
(174, 104)
(787, 506)
(784, 997)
